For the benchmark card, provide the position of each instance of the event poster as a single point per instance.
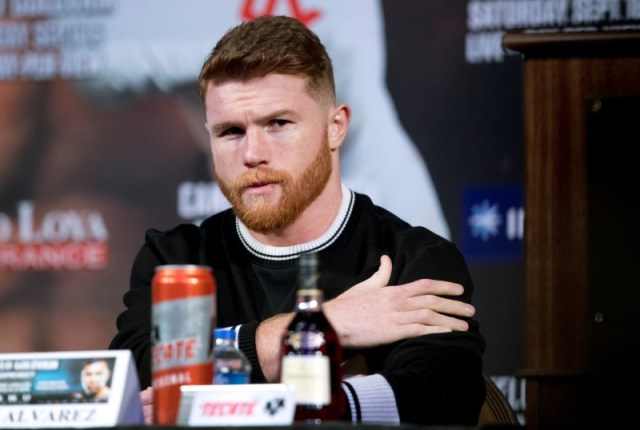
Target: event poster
(102, 137)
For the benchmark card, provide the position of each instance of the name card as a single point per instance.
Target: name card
(236, 405)
(69, 389)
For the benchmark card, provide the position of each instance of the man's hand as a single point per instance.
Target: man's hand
(268, 337)
(368, 314)
(146, 397)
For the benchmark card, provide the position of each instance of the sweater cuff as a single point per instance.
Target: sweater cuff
(247, 344)
(371, 399)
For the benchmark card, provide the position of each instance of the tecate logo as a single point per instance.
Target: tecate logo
(223, 409)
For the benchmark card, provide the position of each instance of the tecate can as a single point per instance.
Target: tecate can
(183, 316)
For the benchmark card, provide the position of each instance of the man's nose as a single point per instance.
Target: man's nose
(256, 148)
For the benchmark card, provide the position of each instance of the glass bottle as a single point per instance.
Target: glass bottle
(311, 352)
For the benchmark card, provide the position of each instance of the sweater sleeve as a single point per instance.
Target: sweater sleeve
(433, 379)
(445, 368)
(424, 380)
(371, 400)
(247, 343)
(178, 246)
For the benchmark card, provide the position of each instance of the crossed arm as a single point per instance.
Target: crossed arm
(409, 310)
(405, 311)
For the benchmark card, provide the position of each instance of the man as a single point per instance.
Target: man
(275, 131)
(94, 378)
(352, 31)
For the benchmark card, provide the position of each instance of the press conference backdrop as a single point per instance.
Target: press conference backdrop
(102, 137)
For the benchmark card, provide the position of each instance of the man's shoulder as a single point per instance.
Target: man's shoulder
(389, 221)
(190, 233)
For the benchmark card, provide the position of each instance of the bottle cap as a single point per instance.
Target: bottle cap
(224, 333)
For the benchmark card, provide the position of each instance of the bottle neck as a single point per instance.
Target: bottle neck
(224, 339)
(310, 299)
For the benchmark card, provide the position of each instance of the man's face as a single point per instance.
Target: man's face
(95, 376)
(270, 148)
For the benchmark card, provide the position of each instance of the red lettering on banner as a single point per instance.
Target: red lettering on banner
(59, 256)
(304, 16)
(211, 409)
(175, 350)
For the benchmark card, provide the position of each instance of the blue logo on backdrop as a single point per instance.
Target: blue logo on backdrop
(493, 223)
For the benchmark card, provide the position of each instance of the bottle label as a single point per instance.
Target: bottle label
(305, 340)
(228, 378)
(310, 375)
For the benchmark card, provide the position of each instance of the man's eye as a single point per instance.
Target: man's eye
(232, 131)
(279, 123)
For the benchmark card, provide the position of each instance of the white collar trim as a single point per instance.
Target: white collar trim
(280, 253)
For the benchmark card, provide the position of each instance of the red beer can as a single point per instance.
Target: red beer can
(183, 317)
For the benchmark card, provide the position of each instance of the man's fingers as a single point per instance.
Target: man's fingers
(441, 305)
(430, 286)
(146, 397)
(429, 318)
(426, 322)
(383, 274)
(378, 279)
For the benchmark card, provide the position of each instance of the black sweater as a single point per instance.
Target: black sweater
(435, 378)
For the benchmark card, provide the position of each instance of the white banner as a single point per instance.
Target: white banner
(69, 389)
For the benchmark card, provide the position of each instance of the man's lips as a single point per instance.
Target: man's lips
(260, 187)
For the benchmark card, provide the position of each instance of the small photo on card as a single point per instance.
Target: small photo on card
(55, 380)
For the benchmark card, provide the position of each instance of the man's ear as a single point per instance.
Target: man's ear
(339, 125)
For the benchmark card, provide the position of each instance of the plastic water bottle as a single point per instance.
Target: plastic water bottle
(231, 365)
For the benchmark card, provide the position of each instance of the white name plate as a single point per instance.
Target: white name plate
(69, 389)
(236, 405)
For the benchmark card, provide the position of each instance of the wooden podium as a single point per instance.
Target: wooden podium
(582, 246)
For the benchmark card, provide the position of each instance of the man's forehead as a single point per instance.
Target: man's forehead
(271, 82)
(97, 364)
